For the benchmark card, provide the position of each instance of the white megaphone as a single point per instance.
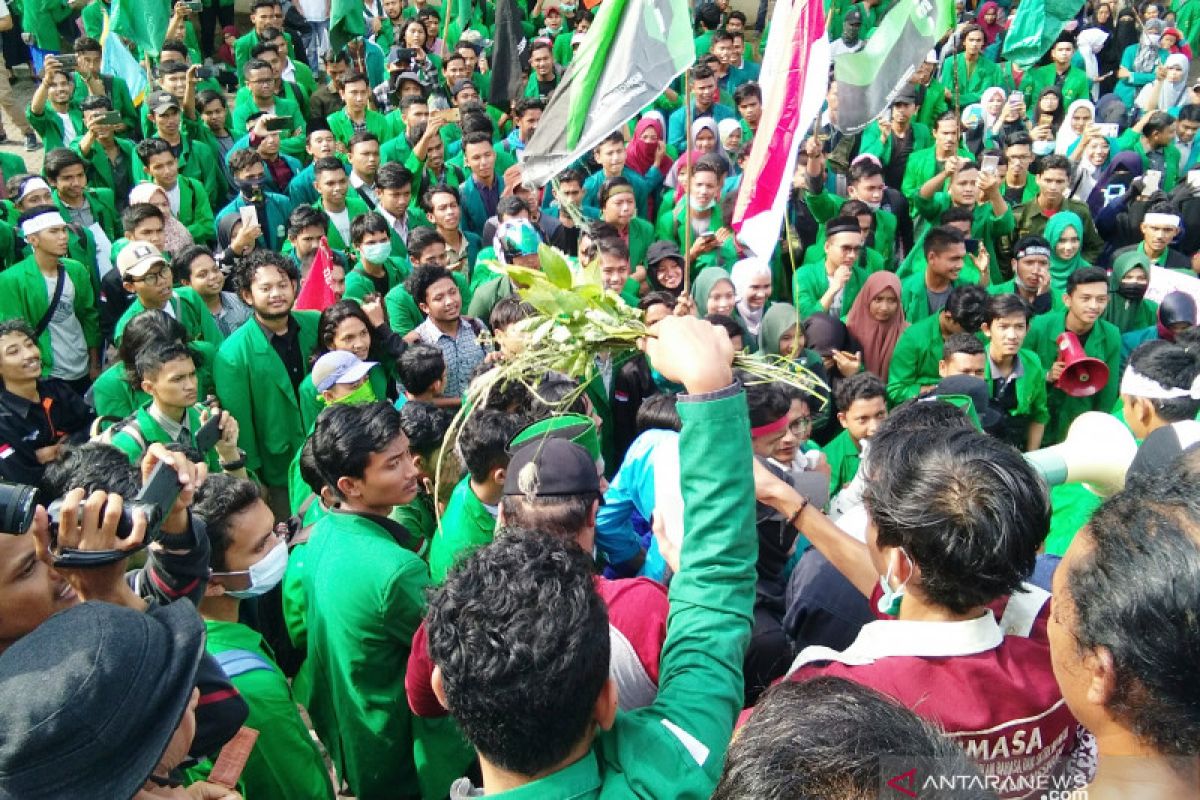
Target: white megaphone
(1098, 450)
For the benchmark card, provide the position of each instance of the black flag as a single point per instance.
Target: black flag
(509, 55)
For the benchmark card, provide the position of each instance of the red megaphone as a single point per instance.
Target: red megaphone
(1084, 375)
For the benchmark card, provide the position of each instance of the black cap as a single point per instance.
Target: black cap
(842, 225)
(90, 699)
(160, 101)
(977, 390)
(906, 95)
(660, 251)
(551, 467)
(460, 85)
(854, 16)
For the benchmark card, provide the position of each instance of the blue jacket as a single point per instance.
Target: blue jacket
(632, 490)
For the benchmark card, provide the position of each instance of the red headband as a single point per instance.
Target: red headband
(769, 428)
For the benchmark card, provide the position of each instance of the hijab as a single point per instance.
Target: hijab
(1171, 94)
(990, 121)
(878, 339)
(1129, 315)
(176, 236)
(1091, 43)
(1121, 170)
(742, 274)
(1066, 139)
(706, 280)
(225, 226)
(990, 32)
(1146, 58)
(1061, 270)
(639, 155)
(778, 320)
(826, 333)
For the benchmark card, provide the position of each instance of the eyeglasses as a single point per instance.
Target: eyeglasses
(800, 425)
(155, 278)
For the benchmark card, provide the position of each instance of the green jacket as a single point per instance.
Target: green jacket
(967, 84)
(284, 763)
(50, 127)
(844, 458)
(23, 295)
(700, 671)
(920, 167)
(671, 227)
(985, 226)
(118, 93)
(359, 284)
(402, 310)
(343, 129)
(933, 104)
(40, 19)
(812, 281)
(870, 144)
(1131, 141)
(1031, 397)
(104, 210)
(914, 298)
(1028, 220)
(247, 42)
(1075, 85)
(915, 360)
(197, 160)
(100, 172)
(366, 596)
(354, 208)
(645, 189)
(195, 212)
(253, 386)
(418, 517)
(112, 396)
(826, 205)
(466, 526)
(133, 443)
(190, 311)
(312, 404)
(1104, 343)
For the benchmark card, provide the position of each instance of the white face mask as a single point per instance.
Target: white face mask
(376, 252)
(889, 601)
(702, 207)
(1043, 148)
(266, 574)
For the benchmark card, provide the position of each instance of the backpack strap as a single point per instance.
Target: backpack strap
(239, 662)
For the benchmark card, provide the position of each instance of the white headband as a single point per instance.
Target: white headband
(30, 186)
(48, 219)
(1161, 220)
(1136, 384)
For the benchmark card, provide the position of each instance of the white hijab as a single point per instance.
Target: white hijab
(1066, 137)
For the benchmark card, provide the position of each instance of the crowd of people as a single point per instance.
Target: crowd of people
(584, 585)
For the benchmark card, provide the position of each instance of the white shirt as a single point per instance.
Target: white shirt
(341, 221)
(173, 199)
(69, 132)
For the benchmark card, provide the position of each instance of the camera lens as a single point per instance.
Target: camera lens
(16, 507)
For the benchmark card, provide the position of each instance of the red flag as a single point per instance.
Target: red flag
(316, 294)
(795, 79)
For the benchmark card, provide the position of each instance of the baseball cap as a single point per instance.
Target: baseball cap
(906, 95)
(161, 101)
(660, 251)
(460, 85)
(410, 76)
(138, 258)
(339, 366)
(550, 467)
(575, 427)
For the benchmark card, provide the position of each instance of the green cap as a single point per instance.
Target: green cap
(573, 427)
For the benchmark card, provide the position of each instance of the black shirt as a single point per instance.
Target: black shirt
(27, 427)
(287, 347)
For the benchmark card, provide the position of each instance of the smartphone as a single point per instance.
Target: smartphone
(111, 118)
(68, 60)
(972, 247)
(278, 124)
(209, 433)
(194, 6)
(205, 72)
(1194, 178)
(1151, 181)
(1108, 130)
(706, 235)
(989, 165)
(449, 116)
(249, 216)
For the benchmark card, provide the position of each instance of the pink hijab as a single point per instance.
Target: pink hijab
(878, 340)
(685, 161)
(639, 155)
(990, 32)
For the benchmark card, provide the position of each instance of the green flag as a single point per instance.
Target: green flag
(1035, 27)
(345, 23)
(143, 22)
(867, 80)
(632, 52)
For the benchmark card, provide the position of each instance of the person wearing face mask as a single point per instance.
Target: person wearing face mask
(1127, 308)
(272, 209)
(703, 242)
(376, 271)
(249, 558)
(1176, 314)
(348, 329)
(953, 608)
(1140, 62)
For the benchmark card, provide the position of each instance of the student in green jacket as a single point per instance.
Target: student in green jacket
(109, 159)
(52, 111)
(969, 73)
(147, 274)
(1031, 275)
(862, 405)
(1085, 299)
(93, 209)
(377, 271)
(924, 294)
(365, 590)
(187, 196)
(264, 15)
(1071, 81)
(864, 181)
(1015, 376)
(356, 92)
(40, 20)
(197, 159)
(914, 368)
(980, 194)
(1128, 307)
(260, 366)
(68, 333)
(334, 199)
(704, 194)
(831, 285)
(248, 560)
(611, 154)
(469, 521)
(1154, 134)
(548, 606)
(925, 164)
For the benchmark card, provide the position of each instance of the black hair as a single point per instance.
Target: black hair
(540, 44)
(86, 44)
(249, 266)
(304, 217)
(346, 436)
(745, 92)
(968, 509)
(354, 76)
(95, 102)
(511, 206)
(478, 137)
(657, 298)
(569, 175)
(517, 616)
(866, 168)
(611, 186)
(59, 159)
(206, 96)
(966, 305)
(860, 386)
(767, 402)
(241, 160)
(830, 738)
(1189, 113)
(425, 425)
(700, 72)
(221, 498)
(1173, 367)
(255, 5)
(148, 148)
(613, 246)
(938, 240)
(853, 208)
(1006, 305)
(420, 240)
(483, 441)
(358, 138)
(1054, 161)
(438, 188)
(524, 104)
(1134, 595)
(659, 412)
(1086, 275)
(966, 343)
(335, 315)
(708, 162)
(725, 321)
(171, 68)
(262, 48)
(94, 467)
(549, 397)
(925, 414)
(1017, 139)
(709, 16)
(142, 330)
(175, 46)
(327, 164)
(560, 516)
(508, 311)
(155, 355)
(181, 262)
(257, 63)
(17, 325)
(420, 366)
(137, 213)
(393, 176)
(370, 222)
(1156, 122)
(957, 214)
(423, 276)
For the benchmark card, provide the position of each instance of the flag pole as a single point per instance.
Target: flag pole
(687, 207)
(446, 9)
